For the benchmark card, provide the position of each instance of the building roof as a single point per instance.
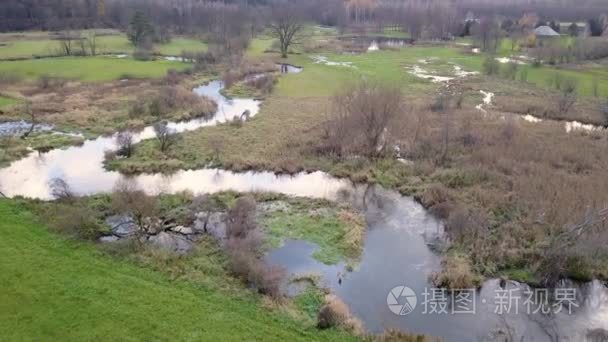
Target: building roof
(545, 31)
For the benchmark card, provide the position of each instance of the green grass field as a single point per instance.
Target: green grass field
(12, 48)
(90, 69)
(55, 289)
(6, 101)
(388, 66)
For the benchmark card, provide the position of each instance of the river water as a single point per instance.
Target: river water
(396, 250)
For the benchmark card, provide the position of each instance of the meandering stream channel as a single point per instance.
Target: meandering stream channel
(396, 250)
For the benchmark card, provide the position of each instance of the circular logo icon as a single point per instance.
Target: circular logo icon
(401, 300)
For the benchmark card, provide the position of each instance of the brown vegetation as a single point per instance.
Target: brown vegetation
(335, 314)
(360, 119)
(129, 199)
(244, 246)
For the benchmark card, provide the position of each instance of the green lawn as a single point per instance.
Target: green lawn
(117, 43)
(54, 289)
(177, 45)
(585, 78)
(259, 45)
(388, 66)
(6, 101)
(90, 68)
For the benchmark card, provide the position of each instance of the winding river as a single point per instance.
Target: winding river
(396, 250)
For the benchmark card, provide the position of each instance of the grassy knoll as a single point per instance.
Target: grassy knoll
(16, 47)
(50, 284)
(338, 232)
(90, 69)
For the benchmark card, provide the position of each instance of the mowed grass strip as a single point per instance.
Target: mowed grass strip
(10, 47)
(90, 69)
(54, 289)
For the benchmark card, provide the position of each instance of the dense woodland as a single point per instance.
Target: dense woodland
(185, 16)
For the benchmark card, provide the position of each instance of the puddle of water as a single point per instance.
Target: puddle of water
(324, 60)
(505, 60)
(579, 126)
(459, 72)
(418, 71)
(289, 69)
(569, 126)
(422, 73)
(487, 100)
(531, 118)
(373, 46)
(175, 59)
(18, 128)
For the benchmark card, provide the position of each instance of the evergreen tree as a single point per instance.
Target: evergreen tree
(140, 30)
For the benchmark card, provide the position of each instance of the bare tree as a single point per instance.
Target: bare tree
(128, 198)
(124, 142)
(567, 97)
(91, 40)
(66, 42)
(241, 218)
(166, 136)
(487, 34)
(361, 118)
(286, 26)
(60, 189)
(27, 108)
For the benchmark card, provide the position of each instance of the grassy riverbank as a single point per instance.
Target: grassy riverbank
(50, 283)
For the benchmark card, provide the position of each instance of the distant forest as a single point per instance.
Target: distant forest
(184, 16)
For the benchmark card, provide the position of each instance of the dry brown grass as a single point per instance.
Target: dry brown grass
(335, 313)
(400, 336)
(520, 183)
(456, 273)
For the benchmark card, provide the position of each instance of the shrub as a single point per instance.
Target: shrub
(141, 54)
(567, 98)
(75, 220)
(48, 82)
(456, 273)
(244, 246)
(510, 71)
(362, 115)
(8, 77)
(129, 199)
(124, 142)
(241, 218)
(165, 136)
(335, 314)
(491, 66)
(60, 190)
(138, 109)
